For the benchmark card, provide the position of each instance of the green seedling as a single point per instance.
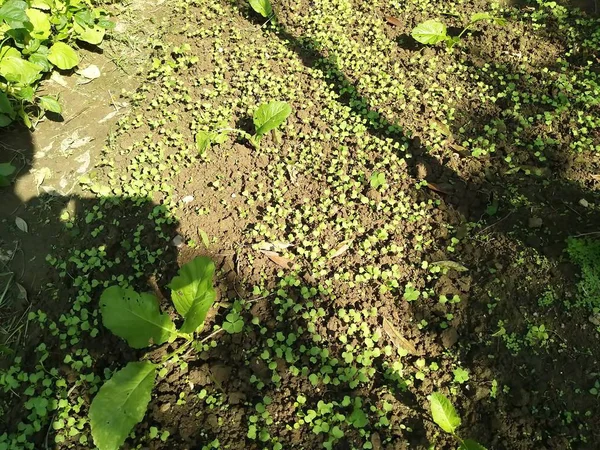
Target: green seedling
(122, 401)
(33, 46)
(267, 117)
(433, 31)
(446, 417)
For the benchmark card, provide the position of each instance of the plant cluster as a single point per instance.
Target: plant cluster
(37, 38)
(122, 401)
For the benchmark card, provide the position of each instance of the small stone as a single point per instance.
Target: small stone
(449, 337)
(535, 222)
(165, 407)
(177, 241)
(376, 441)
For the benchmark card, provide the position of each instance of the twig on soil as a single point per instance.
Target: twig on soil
(586, 234)
(494, 224)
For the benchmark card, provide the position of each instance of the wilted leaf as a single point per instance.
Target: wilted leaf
(22, 291)
(121, 403)
(204, 237)
(436, 188)
(443, 413)
(279, 260)
(273, 246)
(192, 292)
(450, 265)
(21, 224)
(341, 250)
(398, 340)
(393, 21)
(135, 317)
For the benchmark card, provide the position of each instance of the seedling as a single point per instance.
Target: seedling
(122, 401)
(267, 117)
(446, 417)
(433, 31)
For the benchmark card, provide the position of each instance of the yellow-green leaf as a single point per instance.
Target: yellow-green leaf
(121, 403)
(63, 56)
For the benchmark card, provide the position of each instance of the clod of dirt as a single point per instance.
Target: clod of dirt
(165, 407)
(200, 376)
(449, 337)
(235, 398)
(375, 441)
(220, 373)
(535, 222)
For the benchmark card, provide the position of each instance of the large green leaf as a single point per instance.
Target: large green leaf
(263, 7)
(470, 444)
(193, 293)
(430, 32)
(41, 23)
(120, 404)
(135, 317)
(16, 69)
(13, 13)
(63, 56)
(270, 115)
(92, 35)
(443, 413)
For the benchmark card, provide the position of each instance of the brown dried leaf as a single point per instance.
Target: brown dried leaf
(273, 246)
(441, 127)
(277, 259)
(398, 340)
(340, 251)
(450, 265)
(393, 21)
(436, 188)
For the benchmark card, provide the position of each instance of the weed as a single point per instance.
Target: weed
(431, 32)
(267, 117)
(446, 417)
(122, 401)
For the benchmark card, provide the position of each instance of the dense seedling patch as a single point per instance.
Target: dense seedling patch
(387, 218)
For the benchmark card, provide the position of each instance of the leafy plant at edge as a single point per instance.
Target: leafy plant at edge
(267, 117)
(33, 43)
(262, 7)
(433, 31)
(122, 401)
(446, 417)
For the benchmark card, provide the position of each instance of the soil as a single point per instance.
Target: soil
(514, 252)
